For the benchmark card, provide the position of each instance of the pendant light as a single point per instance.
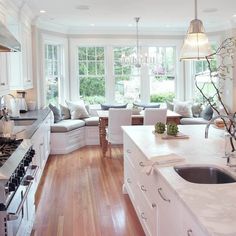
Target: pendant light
(137, 59)
(196, 45)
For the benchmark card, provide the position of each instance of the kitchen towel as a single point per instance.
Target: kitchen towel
(163, 160)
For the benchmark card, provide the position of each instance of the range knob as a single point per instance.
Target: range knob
(16, 181)
(32, 152)
(12, 187)
(21, 171)
(26, 162)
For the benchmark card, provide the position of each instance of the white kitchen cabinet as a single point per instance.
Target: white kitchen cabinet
(4, 82)
(189, 225)
(140, 187)
(169, 211)
(157, 206)
(20, 63)
(41, 144)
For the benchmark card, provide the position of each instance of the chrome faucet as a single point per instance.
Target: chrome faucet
(3, 108)
(228, 135)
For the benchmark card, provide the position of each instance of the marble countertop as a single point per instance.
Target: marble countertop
(27, 132)
(212, 205)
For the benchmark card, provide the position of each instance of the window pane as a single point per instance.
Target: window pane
(127, 78)
(91, 53)
(127, 89)
(100, 68)
(162, 75)
(100, 54)
(83, 69)
(52, 72)
(91, 68)
(82, 53)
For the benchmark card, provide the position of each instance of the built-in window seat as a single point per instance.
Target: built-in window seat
(69, 135)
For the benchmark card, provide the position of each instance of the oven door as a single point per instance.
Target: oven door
(17, 210)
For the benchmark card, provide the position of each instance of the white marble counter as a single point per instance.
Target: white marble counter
(212, 205)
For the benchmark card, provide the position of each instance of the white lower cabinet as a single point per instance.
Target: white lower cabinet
(158, 208)
(41, 144)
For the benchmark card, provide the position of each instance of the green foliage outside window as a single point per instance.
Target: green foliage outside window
(162, 97)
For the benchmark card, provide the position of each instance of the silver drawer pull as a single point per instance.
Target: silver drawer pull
(129, 181)
(141, 164)
(154, 205)
(143, 188)
(143, 216)
(2, 84)
(190, 232)
(162, 196)
(128, 151)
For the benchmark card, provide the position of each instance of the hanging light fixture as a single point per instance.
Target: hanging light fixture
(196, 45)
(137, 59)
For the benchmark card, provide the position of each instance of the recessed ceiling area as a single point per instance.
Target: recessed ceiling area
(155, 15)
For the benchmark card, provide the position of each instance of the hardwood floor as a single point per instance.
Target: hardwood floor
(81, 194)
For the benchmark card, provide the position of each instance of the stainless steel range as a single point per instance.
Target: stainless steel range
(16, 180)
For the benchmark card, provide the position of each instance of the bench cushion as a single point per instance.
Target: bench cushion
(92, 121)
(66, 125)
(193, 121)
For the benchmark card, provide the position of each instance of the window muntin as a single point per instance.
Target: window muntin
(91, 74)
(162, 75)
(127, 77)
(52, 73)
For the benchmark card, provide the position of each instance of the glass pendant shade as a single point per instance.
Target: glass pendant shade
(196, 45)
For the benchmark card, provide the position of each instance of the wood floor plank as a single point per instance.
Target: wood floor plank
(80, 194)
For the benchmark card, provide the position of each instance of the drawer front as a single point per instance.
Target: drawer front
(130, 183)
(147, 213)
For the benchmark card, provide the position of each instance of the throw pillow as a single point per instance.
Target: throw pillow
(207, 113)
(56, 113)
(146, 105)
(77, 110)
(65, 112)
(196, 109)
(108, 106)
(183, 108)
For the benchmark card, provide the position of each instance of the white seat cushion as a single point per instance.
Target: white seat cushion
(66, 125)
(193, 121)
(92, 121)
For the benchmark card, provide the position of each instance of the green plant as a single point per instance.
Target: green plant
(172, 129)
(160, 128)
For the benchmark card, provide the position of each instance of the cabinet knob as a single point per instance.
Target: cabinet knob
(154, 205)
(143, 188)
(143, 216)
(162, 196)
(190, 232)
(2, 84)
(141, 164)
(128, 151)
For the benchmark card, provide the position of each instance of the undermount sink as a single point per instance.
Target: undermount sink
(24, 122)
(204, 175)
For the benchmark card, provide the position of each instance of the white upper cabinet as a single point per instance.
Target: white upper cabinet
(4, 84)
(20, 63)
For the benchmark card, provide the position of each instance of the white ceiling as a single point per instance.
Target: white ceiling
(117, 15)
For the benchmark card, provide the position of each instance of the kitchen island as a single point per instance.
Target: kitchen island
(187, 208)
